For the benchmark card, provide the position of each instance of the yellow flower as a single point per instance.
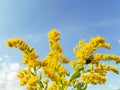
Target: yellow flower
(93, 78)
(65, 60)
(22, 73)
(31, 87)
(23, 81)
(34, 63)
(54, 34)
(73, 63)
(50, 73)
(20, 44)
(99, 57)
(46, 81)
(64, 80)
(101, 69)
(33, 80)
(53, 86)
(113, 69)
(81, 61)
(62, 71)
(86, 51)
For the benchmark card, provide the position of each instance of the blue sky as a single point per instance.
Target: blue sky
(31, 20)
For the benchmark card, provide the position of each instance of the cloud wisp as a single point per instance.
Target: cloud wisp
(8, 79)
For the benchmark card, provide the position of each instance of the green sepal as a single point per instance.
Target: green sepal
(75, 75)
(41, 84)
(84, 88)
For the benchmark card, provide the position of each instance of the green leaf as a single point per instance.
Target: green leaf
(41, 84)
(84, 88)
(40, 76)
(75, 75)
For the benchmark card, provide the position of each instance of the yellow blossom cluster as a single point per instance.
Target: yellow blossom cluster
(113, 69)
(53, 86)
(27, 76)
(64, 80)
(101, 69)
(98, 57)
(87, 65)
(52, 64)
(93, 78)
(62, 71)
(58, 86)
(84, 51)
(33, 80)
(24, 77)
(28, 52)
(94, 72)
(50, 72)
(97, 74)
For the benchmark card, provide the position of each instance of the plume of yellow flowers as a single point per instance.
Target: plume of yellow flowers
(51, 74)
(53, 63)
(28, 76)
(87, 65)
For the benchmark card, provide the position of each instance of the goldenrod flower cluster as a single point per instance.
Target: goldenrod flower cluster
(94, 71)
(27, 76)
(28, 54)
(101, 69)
(53, 62)
(84, 51)
(24, 76)
(113, 69)
(50, 72)
(87, 65)
(53, 86)
(93, 78)
(52, 65)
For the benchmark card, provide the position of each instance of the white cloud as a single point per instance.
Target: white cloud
(8, 72)
(1, 58)
(7, 58)
(110, 85)
(119, 41)
(113, 87)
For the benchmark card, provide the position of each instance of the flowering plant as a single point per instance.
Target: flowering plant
(51, 74)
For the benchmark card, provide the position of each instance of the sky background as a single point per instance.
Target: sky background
(31, 20)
